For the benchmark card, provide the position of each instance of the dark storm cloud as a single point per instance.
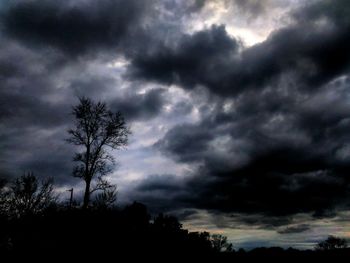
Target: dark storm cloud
(75, 27)
(281, 147)
(33, 127)
(272, 139)
(313, 50)
(49, 57)
(29, 121)
(278, 161)
(132, 104)
(159, 192)
(40, 150)
(168, 183)
(140, 106)
(259, 221)
(187, 141)
(21, 111)
(295, 229)
(195, 59)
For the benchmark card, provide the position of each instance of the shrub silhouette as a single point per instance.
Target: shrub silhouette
(332, 243)
(27, 195)
(219, 243)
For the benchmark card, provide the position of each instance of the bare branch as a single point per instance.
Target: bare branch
(96, 129)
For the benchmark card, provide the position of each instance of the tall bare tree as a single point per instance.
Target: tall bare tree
(96, 129)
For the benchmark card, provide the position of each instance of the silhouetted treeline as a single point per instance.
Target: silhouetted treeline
(33, 224)
(97, 232)
(129, 232)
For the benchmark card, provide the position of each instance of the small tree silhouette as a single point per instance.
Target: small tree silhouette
(106, 198)
(332, 243)
(167, 222)
(96, 129)
(27, 195)
(219, 243)
(3, 193)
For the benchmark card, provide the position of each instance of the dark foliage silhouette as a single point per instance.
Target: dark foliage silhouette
(2, 195)
(96, 129)
(27, 195)
(332, 243)
(169, 223)
(128, 233)
(106, 198)
(125, 231)
(219, 243)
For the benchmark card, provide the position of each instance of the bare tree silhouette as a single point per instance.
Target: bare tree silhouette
(219, 243)
(96, 129)
(3, 193)
(27, 195)
(106, 198)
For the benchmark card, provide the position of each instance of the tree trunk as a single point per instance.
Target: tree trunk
(87, 194)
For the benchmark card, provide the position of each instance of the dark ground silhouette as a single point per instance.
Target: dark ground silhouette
(61, 232)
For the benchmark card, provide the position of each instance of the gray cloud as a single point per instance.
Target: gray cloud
(271, 139)
(48, 59)
(295, 229)
(140, 106)
(279, 149)
(74, 27)
(277, 160)
(312, 51)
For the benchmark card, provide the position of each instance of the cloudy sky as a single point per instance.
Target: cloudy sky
(239, 109)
